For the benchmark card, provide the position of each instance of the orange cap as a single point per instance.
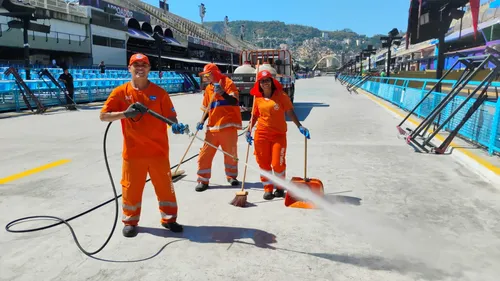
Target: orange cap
(138, 57)
(211, 67)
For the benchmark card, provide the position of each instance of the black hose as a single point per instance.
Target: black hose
(65, 221)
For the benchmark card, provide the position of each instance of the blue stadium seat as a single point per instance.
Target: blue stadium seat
(86, 82)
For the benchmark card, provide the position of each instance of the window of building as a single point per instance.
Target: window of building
(108, 20)
(116, 43)
(108, 42)
(492, 33)
(99, 18)
(99, 40)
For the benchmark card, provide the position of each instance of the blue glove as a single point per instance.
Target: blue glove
(305, 132)
(217, 89)
(249, 138)
(199, 126)
(178, 128)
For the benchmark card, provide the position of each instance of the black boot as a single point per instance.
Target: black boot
(173, 226)
(233, 182)
(268, 195)
(201, 187)
(279, 193)
(129, 231)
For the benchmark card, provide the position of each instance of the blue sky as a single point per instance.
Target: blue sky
(362, 16)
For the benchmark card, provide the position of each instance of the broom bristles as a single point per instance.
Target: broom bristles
(240, 200)
(178, 173)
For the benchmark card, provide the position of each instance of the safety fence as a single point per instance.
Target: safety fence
(483, 127)
(85, 90)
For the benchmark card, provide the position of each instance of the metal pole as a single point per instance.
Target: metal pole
(486, 80)
(159, 54)
(426, 95)
(361, 63)
(440, 64)
(451, 95)
(389, 58)
(26, 25)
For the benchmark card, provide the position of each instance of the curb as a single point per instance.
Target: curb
(481, 166)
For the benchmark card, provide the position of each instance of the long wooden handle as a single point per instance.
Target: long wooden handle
(192, 140)
(305, 160)
(245, 172)
(185, 153)
(249, 130)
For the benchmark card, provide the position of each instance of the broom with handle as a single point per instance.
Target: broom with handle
(177, 173)
(240, 200)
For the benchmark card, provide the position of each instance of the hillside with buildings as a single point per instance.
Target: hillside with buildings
(308, 44)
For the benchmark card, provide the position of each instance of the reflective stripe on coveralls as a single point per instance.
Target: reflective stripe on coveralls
(270, 135)
(270, 153)
(228, 140)
(224, 120)
(145, 149)
(134, 177)
(221, 113)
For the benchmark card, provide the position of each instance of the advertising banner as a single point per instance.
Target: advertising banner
(115, 9)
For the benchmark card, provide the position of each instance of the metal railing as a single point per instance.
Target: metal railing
(483, 128)
(66, 7)
(85, 90)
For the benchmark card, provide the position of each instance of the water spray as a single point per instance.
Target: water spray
(423, 245)
(370, 226)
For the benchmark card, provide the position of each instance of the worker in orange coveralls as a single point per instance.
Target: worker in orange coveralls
(145, 144)
(224, 120)
(271, 104)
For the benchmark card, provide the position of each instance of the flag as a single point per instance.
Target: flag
(474, 8)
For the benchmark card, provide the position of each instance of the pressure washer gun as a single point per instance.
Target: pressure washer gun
(143, 109)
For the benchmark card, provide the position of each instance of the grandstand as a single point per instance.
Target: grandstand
(466, 106)
(81, 35)
(423, 56)
(90, 86)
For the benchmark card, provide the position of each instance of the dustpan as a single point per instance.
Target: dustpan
(313, 184)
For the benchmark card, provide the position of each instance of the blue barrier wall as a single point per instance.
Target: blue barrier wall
(90, 86)
(483, 127)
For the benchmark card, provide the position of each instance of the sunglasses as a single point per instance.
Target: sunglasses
(265, 81)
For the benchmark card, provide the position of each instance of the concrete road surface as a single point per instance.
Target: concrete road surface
(393, 214)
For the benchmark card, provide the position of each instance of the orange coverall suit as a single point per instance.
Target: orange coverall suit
(270, 135)
(224, 120)
(145, 149)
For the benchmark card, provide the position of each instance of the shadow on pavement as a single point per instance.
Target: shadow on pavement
(379, 263)
(341, 199)
(217, 234)
(303, 109)
(215, 185)
(374, 263)
(205, 234)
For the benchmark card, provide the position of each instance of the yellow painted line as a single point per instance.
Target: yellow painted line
(33, 171)
(483, 162)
